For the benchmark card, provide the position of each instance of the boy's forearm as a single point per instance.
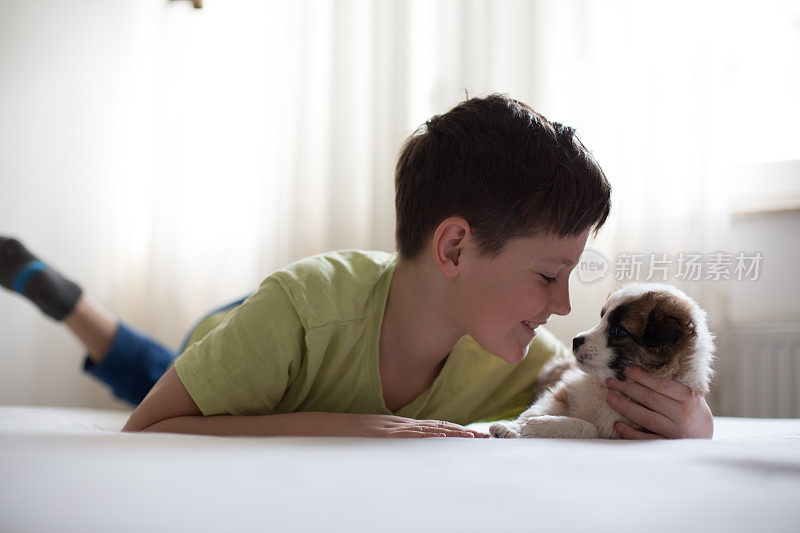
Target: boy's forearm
(290, 424)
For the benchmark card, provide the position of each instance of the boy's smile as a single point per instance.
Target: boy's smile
(494, 298)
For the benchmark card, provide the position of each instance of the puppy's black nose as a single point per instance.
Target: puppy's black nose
(577, 341)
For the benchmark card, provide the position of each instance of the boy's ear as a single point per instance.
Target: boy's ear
(448, 242)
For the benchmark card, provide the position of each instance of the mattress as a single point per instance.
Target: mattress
(65, 469)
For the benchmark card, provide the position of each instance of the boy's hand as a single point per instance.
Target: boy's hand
(390, 426)
(665, 407)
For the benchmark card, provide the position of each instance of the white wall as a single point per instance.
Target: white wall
(75, 100)
(766, 218)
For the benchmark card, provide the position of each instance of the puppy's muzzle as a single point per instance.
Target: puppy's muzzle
(576, 342)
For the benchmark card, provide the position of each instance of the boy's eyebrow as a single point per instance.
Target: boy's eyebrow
(555, 261)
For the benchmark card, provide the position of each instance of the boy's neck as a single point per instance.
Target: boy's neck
(417, 332)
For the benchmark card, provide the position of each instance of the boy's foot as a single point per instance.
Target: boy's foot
(24, 273)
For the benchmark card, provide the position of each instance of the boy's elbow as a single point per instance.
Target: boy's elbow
(140, 419)
(130, 427)
(167, 399)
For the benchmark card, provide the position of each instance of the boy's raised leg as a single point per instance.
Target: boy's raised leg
(94, 325)
(56, 296)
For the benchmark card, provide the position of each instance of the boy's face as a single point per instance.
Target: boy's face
(495, 296)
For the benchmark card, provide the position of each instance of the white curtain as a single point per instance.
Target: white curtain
(675, 98)
(272, 131)
(168, 159)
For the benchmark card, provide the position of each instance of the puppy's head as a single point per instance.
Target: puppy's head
(654, 326)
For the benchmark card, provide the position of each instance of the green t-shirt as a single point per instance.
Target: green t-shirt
(307, 340)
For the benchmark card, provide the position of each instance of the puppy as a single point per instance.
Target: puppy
(654, 326)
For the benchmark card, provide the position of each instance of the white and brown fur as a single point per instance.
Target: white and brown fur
(654, 326)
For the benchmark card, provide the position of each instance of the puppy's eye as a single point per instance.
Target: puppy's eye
(619, 331)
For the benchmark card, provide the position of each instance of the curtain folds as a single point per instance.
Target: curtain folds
(169, 159)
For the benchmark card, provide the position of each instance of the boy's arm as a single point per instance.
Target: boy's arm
(169, 408)
(167, 399)
(313, 424)
(290, 424)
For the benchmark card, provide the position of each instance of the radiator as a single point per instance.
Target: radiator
(758, 371)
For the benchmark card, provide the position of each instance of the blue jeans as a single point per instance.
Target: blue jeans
(135, 361)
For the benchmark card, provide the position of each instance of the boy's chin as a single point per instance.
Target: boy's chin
(514, 356)
(509, 352)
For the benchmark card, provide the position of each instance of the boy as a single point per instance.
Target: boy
(494, 207)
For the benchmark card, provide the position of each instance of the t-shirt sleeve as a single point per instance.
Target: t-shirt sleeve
(245, 364)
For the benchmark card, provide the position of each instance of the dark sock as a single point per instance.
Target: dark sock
(24, 273)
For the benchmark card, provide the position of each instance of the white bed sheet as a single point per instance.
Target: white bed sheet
(67, 469)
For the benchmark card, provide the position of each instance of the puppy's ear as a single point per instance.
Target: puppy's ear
(661, 330)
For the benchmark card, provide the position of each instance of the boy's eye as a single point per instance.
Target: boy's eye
(547, 279)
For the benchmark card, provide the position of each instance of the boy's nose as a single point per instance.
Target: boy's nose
(559, 303)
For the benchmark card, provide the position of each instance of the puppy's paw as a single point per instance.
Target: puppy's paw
(557, 427)
(504, 430)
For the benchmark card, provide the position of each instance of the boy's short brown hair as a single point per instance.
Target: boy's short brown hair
(503, 167)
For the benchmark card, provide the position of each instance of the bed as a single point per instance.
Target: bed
(65, 469)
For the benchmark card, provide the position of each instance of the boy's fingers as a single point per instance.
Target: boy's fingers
(444, 431)
(451, 429)
(442, 425)
(650, 420)
(417, 434)
(648, 398)
(627, 432)
(667, 387)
